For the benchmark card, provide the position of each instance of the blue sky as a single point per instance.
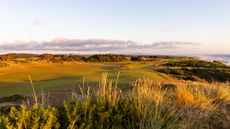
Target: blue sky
(205, 23)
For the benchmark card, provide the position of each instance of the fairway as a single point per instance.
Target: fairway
(50, 76)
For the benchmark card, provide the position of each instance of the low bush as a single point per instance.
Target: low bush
(107, 58)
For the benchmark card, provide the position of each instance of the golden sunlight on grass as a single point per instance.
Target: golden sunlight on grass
(147, 104)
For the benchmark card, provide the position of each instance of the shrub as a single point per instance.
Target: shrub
(107, 58)
(46, 57)
(35, 117)
(7, 57)
(148, 104)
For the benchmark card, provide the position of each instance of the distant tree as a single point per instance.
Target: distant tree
(7, 57)
(134, 58)
(47, 57)
(138, 58)
(107, 58)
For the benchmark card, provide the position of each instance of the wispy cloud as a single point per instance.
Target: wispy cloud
(92, 46)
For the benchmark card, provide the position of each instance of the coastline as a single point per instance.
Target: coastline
(214, 58)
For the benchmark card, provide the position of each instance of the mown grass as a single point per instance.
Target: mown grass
(148, 104)
(51, 76)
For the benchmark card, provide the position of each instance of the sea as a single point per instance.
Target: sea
(222, 58)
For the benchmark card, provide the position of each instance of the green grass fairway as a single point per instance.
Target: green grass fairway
(48, 76)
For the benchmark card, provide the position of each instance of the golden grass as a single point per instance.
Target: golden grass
(147, 104)
(190, 97)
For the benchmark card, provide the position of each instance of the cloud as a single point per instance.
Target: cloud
(92, 46)
(37, 23)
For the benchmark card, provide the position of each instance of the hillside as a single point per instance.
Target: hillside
(57, 72)
(113, 91)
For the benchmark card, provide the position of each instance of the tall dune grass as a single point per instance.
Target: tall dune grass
(146, 105)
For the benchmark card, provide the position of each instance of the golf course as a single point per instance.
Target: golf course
(112, 91)
(47, 76)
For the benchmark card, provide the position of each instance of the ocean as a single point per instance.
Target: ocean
(223, 58)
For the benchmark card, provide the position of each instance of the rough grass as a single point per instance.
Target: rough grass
(147, 105)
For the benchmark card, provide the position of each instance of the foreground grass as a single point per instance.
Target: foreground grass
(147, 105)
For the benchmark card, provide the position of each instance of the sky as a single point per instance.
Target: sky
(115, 26)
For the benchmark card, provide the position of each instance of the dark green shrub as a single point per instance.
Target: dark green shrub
(107, 58)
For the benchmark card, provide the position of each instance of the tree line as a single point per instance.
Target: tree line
(83, 58)
(70, 57)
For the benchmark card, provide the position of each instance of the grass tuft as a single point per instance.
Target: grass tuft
(146, 105)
